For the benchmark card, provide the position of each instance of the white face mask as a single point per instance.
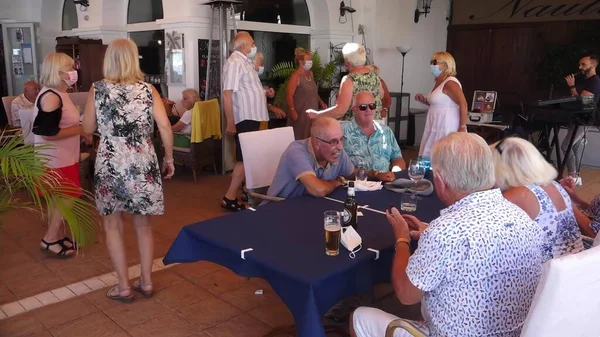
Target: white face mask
(252, 52)
(351, 240)
(308, 65)
(73, 77)
(261, 70)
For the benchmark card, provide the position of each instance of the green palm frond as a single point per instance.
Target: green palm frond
(282, 70)
(24, 170)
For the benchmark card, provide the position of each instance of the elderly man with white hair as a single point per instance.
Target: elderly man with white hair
(360, 78)
(477, 265)
(245, 106)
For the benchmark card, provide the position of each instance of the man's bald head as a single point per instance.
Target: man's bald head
(322, 126)
(242, 40)
(31, 90)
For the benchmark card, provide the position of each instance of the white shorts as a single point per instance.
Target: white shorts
(371, 322)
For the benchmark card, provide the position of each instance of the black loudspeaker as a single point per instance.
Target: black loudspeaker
(398, 116)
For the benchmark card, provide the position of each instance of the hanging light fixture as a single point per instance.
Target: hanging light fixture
(426, 5)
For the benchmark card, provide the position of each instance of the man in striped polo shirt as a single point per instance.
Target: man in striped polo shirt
(245, 106)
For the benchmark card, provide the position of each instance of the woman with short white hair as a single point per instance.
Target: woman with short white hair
(527, 180)
(360, 78)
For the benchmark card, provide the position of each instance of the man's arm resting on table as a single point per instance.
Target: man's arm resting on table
(317, 187)
(406, 292)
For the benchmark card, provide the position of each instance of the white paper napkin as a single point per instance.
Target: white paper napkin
(361, 186)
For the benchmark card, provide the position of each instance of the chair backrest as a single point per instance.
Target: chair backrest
(262, 151)
(26, 117)
(6, 101)
(567, 299)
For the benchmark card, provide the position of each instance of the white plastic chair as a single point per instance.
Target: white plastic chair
(567, 299)
(262, 151)
(26, 117)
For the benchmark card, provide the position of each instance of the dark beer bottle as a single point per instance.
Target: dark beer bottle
(350, 207)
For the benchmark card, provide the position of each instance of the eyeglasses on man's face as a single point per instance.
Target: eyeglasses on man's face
(370, 106)
(332, 142)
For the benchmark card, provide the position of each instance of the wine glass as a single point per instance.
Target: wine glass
(361, 174)
(416, 170)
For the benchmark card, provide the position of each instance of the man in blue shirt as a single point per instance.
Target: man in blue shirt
(313, 165)
(370, 142)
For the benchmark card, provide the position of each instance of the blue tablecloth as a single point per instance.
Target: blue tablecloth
(289, 251)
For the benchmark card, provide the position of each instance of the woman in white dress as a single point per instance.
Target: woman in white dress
(447, 104)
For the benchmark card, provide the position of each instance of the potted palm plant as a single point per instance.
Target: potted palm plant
(24, 175)
(323, 73)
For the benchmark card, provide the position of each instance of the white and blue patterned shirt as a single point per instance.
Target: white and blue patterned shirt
(479, 264)
(377, 151)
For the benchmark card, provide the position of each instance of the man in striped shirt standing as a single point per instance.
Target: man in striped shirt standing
(245, 106)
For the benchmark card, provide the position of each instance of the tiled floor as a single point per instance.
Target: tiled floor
(198, 299)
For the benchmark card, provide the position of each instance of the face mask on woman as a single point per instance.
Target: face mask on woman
(73, 77)
(307, 65)
(435, 70)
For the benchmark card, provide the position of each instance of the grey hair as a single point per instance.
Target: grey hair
(464, 162)
(358, 93)
(355, 54)
(240, 39)
(520, 164)
(322, 125)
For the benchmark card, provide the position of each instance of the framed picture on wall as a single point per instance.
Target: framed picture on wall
(484, 101)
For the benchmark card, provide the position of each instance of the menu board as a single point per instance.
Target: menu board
(215, 69)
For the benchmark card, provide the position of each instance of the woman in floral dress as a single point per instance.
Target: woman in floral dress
(127, 177)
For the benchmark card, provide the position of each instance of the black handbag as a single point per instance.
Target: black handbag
(46, 122)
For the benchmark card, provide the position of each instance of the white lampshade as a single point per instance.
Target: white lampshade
(404, 49)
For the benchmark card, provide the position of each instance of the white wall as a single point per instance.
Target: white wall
(395, 26)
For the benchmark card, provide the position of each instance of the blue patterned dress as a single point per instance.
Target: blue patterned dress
(127, 176)
(561, 232)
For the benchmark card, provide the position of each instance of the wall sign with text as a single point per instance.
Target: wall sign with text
(466, 12)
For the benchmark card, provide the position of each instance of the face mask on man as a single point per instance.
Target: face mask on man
(435, 70)
(308, 65)
(261, 70)
(252, 52)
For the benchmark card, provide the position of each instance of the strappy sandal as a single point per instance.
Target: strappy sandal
(64, 249)
(232, 205)
(115, 294)
(137, 286)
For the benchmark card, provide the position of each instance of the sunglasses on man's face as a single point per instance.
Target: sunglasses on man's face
(363, 107)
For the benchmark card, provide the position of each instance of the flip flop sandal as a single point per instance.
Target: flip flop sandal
(115, 294)
(137, 286)
(63, 253)
(232, 205)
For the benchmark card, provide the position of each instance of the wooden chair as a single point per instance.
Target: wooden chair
(6, 102)
(262, 151)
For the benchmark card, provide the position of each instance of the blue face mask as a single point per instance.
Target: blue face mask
(261, 70)
(435, 70)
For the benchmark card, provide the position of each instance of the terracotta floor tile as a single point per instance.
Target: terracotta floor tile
(273, 313)
(39, 333)
(64, 312)
(141, 310)
(99, 299)
(220, 281)
(196, 270)
(14, 256)
(6, 295)
(92, 325)
(209, 312)
(182, 295)
(169, 325)
(24, 270)
(245, 297)
(165, 279)
(22, 324)
(35, 285)
(250, 326)
(81, 271)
